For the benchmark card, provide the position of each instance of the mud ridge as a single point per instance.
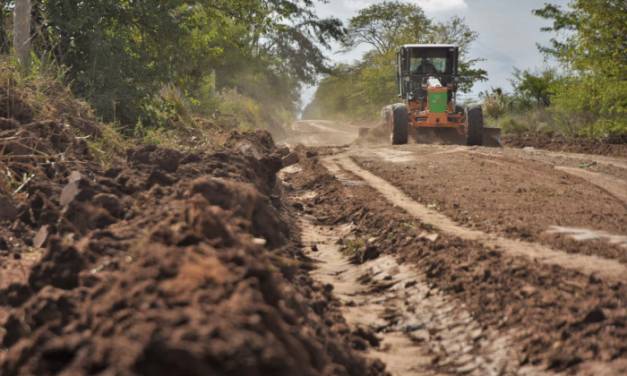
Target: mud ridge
(166, 263)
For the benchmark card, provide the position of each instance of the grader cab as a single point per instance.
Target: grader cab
(428, 79)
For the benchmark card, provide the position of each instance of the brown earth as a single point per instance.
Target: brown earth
(166, 263)
(513, 197)
(613, 147)
(194, 263)
(554, 318)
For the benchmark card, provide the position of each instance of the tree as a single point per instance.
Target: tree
(119, 54)
(5, 15)
(535, 88)
(390, 24)
(595, 35)
(456, 31)
(387, 25)
(591, 45)
(360, 91)
(21, 31)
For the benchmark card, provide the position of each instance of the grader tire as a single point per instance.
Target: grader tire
(474, 126)
(400, 130)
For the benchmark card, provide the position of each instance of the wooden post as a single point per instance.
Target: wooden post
(21, 31)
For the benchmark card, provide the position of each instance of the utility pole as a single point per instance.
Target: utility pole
(21, 31)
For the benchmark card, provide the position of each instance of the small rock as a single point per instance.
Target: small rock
(72, 188)
(41, 237)
(314, 248)
(8, 211)
(428, 236)
(594, 316)
(259, 241)
(4, 246)
(69, 192)
(110, 203)
(74, 177)
(371, 253)
(290, 159)
(528, 290)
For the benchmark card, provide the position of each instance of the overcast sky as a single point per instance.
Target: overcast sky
(508, 33)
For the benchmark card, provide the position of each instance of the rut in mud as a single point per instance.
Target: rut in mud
(415, 329)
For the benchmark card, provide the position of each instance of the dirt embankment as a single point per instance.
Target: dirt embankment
(556, 319)
(166, 263)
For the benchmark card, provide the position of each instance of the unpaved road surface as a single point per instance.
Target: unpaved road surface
(319, 259)
(469, 260)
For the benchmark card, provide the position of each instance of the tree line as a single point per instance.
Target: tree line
(582, 93)
(140, 62)
(360, 90)
(585, 93)
(145, 64)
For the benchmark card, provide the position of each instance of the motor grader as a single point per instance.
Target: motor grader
(427, 78)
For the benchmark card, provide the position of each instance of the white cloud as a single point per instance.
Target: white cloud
(434, 6)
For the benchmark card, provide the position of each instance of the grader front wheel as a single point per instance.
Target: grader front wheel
(400, 129)
(474, 126)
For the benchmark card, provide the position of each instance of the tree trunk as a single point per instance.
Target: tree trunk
(21, 31)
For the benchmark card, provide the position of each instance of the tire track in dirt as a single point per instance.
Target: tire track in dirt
(419, 330)
(588, 265)
(533, 154)
(613, 186)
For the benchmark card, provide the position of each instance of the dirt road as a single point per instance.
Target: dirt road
(254, 258)
(470, 260)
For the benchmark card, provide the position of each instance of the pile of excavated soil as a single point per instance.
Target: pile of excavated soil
(555, 318)
(165, 263)
(617, 148)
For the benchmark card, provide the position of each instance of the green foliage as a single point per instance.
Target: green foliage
(121, 54)
(455, 31)
(535, 120)
(496, 103)
(592, 98)
(360, 91)
(534, 89)
(387, 25)
(240, 110)
(43, 94)
(593, 106)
